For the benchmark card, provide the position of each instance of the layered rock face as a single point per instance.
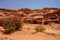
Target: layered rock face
(36, 16)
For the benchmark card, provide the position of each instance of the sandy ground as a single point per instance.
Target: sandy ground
(28, 33)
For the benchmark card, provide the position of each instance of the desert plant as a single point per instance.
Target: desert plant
(1, 21)
(12, 24)
(39, 28)
(8, 26)
(50, 23)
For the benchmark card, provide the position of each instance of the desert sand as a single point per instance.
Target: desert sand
(28, 33)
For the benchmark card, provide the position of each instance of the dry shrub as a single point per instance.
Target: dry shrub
(12, 24)
(2, 21)
(50, 23)
(39, 28)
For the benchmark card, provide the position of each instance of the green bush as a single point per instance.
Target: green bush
(39, 28)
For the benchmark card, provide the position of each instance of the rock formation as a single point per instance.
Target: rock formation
(36, 16)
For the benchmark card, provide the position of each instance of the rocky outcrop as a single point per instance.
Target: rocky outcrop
(44, 15)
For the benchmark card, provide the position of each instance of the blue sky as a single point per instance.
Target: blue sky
(32, 4)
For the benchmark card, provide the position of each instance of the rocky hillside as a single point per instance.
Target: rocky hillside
(35, 16)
